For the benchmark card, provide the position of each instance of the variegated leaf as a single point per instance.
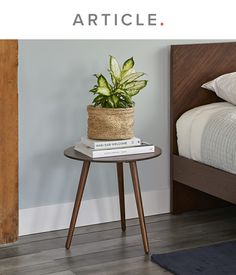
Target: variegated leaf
(110, 102)
(136, 85)
(103, 91)
(102, 82)
(128, 64)
(115, 99)
(130, 71)
(131, 77)
(132, 92)
(115, 67)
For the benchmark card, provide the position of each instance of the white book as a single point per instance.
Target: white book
(101, 153)
(105, 144)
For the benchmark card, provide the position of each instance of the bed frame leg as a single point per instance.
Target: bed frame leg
(185, 198)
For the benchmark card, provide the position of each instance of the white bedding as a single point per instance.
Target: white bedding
(191, 135)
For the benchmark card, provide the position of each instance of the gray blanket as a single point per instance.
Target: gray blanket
(218, 147)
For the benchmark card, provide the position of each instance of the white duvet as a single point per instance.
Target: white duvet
(208, 134)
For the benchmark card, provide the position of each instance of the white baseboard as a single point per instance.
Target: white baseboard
(55, 217)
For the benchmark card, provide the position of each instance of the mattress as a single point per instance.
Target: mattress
(208, 134)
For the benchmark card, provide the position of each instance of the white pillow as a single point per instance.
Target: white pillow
(224, 86)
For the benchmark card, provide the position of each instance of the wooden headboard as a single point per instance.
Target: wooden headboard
(191, 66)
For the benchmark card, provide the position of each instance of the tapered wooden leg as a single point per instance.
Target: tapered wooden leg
(138, 198)
(82, 181)
(120, 176)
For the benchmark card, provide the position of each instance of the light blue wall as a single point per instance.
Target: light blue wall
(54, 79)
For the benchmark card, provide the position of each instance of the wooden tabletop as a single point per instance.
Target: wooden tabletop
(73, 154)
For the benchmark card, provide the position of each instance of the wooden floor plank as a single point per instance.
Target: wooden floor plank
(126, 266)
(104, 249)
(163, 230)
(116, 225)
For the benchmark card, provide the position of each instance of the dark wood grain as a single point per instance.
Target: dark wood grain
(139, 203)
(191, 66)
(187, 198)
(73, 154)
(205, 178)
(120, 177)
(78, 199)
(131, 159)
(8, 141)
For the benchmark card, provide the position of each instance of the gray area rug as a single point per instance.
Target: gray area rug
(218, 259)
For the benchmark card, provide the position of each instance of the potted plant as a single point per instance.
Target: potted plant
(112, 114)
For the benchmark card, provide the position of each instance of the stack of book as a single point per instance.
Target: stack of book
(111, 148)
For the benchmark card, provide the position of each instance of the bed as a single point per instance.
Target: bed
(195, 185)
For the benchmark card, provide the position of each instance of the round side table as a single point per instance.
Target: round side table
(119, 160)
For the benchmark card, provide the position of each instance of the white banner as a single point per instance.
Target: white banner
(103, 19)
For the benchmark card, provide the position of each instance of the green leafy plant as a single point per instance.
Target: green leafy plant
(125, 85)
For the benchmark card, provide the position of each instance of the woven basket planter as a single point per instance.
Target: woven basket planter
(110, 123)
